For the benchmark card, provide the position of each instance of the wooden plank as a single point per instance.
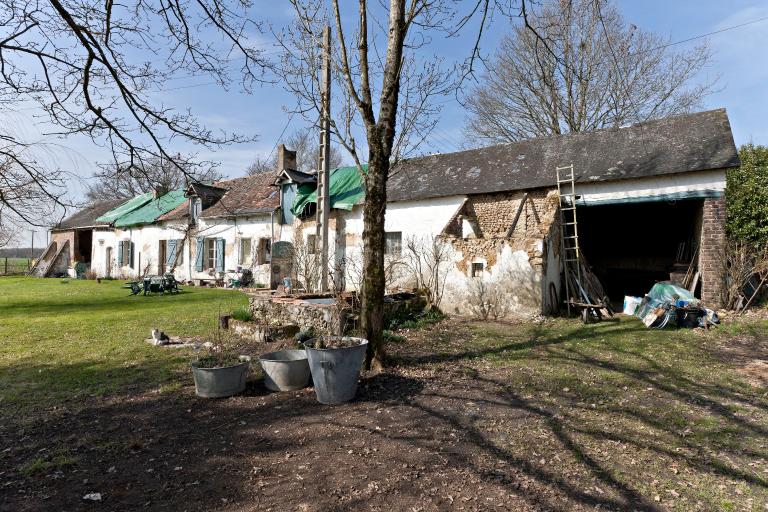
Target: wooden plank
(517, 215)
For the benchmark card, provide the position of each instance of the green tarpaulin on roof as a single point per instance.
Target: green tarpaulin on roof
(346, 190)
(152, 210)
(126, 207)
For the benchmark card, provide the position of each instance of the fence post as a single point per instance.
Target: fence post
(6, 265)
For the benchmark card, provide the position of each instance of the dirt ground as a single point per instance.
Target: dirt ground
(434, 432)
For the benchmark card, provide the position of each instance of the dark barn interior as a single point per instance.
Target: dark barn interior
(84, 245)
(632, 246)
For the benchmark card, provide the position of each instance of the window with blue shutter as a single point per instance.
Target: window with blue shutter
(220, 255)
(170, 261)
(200, 255)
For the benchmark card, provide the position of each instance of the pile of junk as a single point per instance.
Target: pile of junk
(669, 305)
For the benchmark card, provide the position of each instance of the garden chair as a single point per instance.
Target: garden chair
(170, 284)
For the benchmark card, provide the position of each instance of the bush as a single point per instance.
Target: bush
(747, 197)
(427, 317)
(242, 314)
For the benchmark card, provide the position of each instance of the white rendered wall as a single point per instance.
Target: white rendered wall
(146, 240)
(669, 187)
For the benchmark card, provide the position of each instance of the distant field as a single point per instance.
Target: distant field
(14, 265)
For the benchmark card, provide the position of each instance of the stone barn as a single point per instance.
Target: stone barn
(649, 203)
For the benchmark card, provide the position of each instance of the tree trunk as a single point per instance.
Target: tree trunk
(374, 208)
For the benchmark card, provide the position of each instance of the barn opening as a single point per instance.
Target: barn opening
(632, 246)
(84, 245)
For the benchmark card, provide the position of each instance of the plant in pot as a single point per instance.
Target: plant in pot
(284, 370)
(335, 360)
(219, 371)
(335, 363)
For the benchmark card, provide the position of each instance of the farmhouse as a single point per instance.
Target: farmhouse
(649, 201)
(648, 198)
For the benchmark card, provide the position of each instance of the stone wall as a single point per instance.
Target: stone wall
(518, 260)
(712, 252)
(295, 311)
(326, 318)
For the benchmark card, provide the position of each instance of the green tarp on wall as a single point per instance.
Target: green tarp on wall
(152, 210)
(346, 190)
(126, 207)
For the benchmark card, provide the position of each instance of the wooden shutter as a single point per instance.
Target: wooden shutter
(220, 255)
(170, 258)
(199, 257)
(120, 254)
(130, 254)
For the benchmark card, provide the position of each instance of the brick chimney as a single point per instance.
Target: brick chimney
(286, 159)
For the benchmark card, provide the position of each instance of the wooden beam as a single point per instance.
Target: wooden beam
(517, 215)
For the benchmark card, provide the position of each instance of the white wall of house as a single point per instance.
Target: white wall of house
(147, 242)
(423, 220)
(235, 231)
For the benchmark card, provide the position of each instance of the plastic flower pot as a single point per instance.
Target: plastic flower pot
(335, 371)
(286, 370)
(221, 382)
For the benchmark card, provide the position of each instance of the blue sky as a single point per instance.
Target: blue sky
(740, 59)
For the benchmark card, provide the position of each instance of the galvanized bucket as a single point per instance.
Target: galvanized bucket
(220, 382)
(335, 371)
(286, 370)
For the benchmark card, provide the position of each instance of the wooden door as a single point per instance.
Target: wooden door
(162, 252)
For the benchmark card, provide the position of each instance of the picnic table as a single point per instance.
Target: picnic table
(154, 284)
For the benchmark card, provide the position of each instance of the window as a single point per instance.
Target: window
(210, 252)
(245, 252)
(394, 243)
(126, 259)
(312, 244)
(195, 208)
(264, 253)
(477, 269)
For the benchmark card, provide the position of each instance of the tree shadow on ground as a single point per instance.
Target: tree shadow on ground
(437, 431)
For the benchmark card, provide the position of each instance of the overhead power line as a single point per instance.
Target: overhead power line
(726, 29)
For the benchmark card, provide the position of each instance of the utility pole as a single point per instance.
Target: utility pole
(324, 171)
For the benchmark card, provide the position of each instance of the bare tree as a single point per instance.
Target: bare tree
(385, 97)
(7, 233)
(27, 196)
(158, 174)
(306, 265)
(428, 260)
(306, 144)
(77, 62)
(576, 66)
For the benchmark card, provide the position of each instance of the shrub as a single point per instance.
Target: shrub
(747, 197)
(242, 314)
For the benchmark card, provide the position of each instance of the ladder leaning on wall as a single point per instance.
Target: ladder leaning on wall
(569, 229)
(583, 289)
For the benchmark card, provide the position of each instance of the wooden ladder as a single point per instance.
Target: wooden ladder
(569, 232)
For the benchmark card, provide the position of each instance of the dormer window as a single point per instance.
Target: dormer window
(195, 208)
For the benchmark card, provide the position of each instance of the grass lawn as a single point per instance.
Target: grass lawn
(66, 339)
(552, 415)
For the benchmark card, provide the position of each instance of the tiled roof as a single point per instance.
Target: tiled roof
(251, 194)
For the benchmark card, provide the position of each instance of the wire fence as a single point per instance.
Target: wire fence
(15, 266)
